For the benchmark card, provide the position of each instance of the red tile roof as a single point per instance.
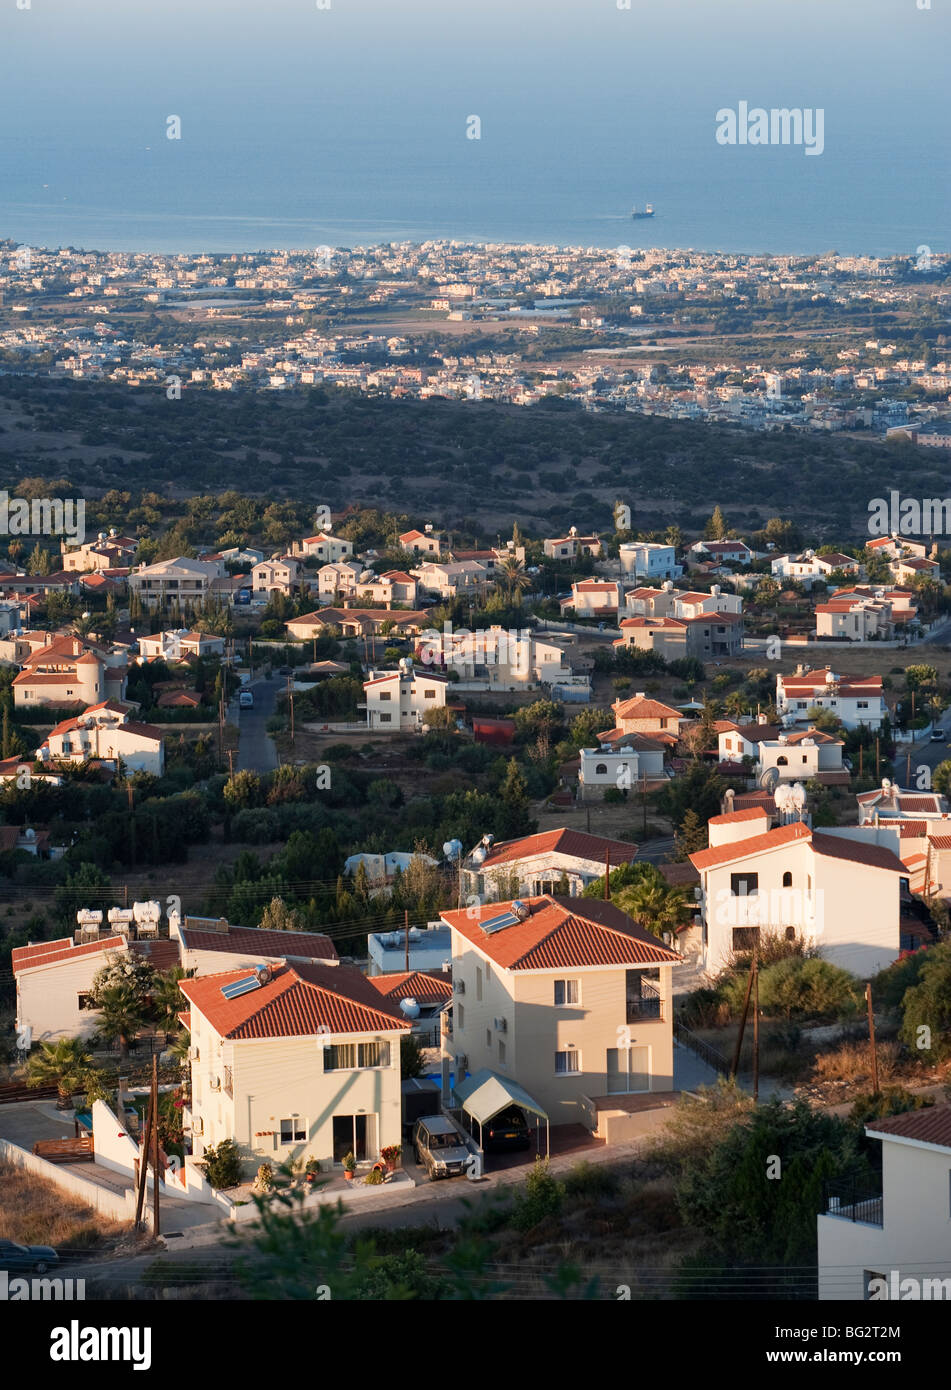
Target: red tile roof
(756, 844)
(642, 708)
(856, 852)
(299, 1001)
(302, 945)
(413, 984)
(931, 1125)
(734, 817)
(577, 843)
(48, 952)
(563, 934)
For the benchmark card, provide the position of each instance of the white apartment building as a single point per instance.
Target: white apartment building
(858, 701)
(649, 560)
(182, 581)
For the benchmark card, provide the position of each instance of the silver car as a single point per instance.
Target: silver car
(440, 1146)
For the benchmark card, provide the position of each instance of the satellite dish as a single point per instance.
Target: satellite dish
(452, 849)
(410, 1007)
(798, 795)
(769, 779)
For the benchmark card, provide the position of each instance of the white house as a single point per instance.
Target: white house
(878, 1244)
(593, 598)
(649, 560)
(338, 577)
(419, 543)
(858, 701)
(209, 945)
(53, 980)
(510, 659)
(324, 547)
(294, 1061)
(452, 578)
(571, 546)
(556, 861)
(806, 568)
(68, 671)
(398, 700)
(278, 576)
(626, 765)
(841, 892)
(105, 733)
(178, 644)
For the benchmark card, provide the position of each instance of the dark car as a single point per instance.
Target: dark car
(38, 1258)
(507, 1130)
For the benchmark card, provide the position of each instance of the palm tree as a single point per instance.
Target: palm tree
(121, 1015)
(511, 579)
(168, 1000)
(63, 1064)
(658, 908)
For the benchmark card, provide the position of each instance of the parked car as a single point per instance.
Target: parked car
(938, 736)
(246, 700)
(507, 1130)
(38, 1258)
(440, 1146)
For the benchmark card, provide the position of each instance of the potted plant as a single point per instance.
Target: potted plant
(311, 1170)
(349, 1166)
(265, 1178)
(391, 1155)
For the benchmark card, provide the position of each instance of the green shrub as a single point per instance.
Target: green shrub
(222, 1164)
(892, 1100)
(811, 988)
(542, 1197)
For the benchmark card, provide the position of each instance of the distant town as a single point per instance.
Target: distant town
(814, 344)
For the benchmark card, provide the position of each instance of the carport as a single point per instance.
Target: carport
(486, 1094)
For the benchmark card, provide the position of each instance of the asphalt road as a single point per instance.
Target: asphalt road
(256, 751)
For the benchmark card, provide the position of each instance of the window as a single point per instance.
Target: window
(787, 879)
(488, 1037)
(601, 770)
(429, 694)
(85, 1002)
(350, 1056)
(861, 704)
(567, 1063)
(744, 885)
(478, 982)
(386, 718)
(566, 992)
(386, 694)
(293, 1131)
(782, 760)
(459, 1014)
(501, 1050)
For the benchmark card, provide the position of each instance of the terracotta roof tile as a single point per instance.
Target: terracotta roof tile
(577, 843)
(931, 1125)
(298, 1001)
(563, 934)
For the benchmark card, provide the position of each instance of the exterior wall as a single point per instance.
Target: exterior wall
(534, 869)
(275, 1079)
(48, 997)
(645, 763)
(915, 1237)
(851, 912)
(536, 1029)
(668, 642)
(650, 560)
(409, 700)
(793, 761)
(729, 832)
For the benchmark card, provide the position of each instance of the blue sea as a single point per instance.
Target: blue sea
(349, 124)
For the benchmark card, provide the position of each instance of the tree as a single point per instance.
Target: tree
(919, 675)
(655, 905)
(513, 790)
(168, 1000)
(716, 527)
(512, 579)
(440, 717)
(941, 779)
(277, 916)
(124, 970)
(64, 1064)
(121, 1015)
(926, 1007)
(412, 1061)
(691, 836)
(807, 988)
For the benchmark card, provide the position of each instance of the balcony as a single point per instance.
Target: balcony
(646, 1006)
(853, 1201)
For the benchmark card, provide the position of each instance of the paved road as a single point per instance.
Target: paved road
(256, 751)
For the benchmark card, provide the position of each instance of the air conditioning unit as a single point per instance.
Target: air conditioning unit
(458, 986)
(499, 1025)
(194, 1055)
(214, 1083)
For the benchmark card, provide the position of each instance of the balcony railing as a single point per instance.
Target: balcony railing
(227, 1084)
(853, 1201)
(646, 1006)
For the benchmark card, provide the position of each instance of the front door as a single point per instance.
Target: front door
(351, 1134)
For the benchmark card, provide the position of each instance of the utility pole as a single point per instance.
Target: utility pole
(861, 753)
(406, 933)
(739, 1037)
(871, 1037)
(607, 876)
(755, 1024)
(231, 763)
(155, 1149)
(143, 1164)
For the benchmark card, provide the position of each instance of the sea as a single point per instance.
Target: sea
(296, 126)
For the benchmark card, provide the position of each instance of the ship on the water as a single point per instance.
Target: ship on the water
(648, 212)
